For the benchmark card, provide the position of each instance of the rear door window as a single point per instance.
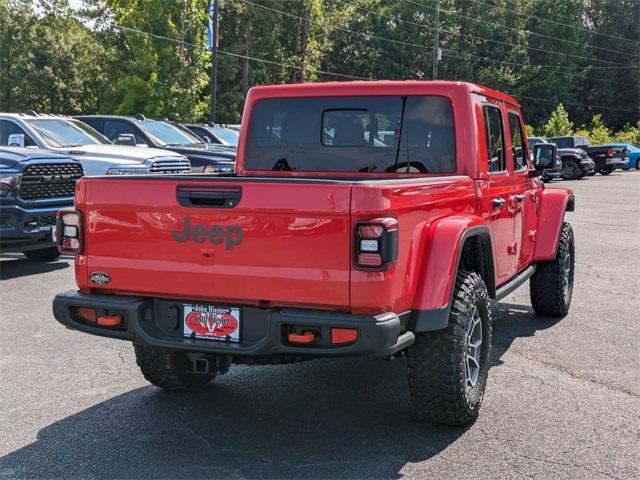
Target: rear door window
(519, 154)
(494, 134)
(377, 134)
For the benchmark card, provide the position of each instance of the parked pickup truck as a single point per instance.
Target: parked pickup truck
(329, 241)
(571, 164)
(97, 155)
(34, 185)
(147, 132)
(606, 158)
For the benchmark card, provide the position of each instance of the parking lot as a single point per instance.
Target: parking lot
(562, 401)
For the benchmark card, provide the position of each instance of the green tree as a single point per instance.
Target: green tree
(559, 123)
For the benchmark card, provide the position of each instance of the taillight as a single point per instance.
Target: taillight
(610, 152)
(376, 244)
(69, 232)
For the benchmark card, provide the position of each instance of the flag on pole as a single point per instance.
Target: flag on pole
(212, 25)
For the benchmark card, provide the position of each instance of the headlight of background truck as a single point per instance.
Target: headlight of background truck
(9, 182)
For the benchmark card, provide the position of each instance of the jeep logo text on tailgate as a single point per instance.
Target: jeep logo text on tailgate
(231, 235)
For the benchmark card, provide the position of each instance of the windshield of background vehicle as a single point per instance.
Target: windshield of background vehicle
(228, 136)
(63, 133)
(168, 134)
(376, 134)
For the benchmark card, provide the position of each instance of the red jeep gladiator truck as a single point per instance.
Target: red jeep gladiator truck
(363, 218)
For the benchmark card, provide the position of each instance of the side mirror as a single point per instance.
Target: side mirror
(544, 156)
(206, 138)
(126, 139)
(16, 140)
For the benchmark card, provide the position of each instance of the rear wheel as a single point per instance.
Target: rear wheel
(43, 255)
(174, 370)
(448, 368)
(571, 170)
(552, 285)
(638, 164)
(606, 170)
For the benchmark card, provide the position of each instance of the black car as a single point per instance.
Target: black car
(549, 173)
(146, 132)
(215, 134)
(574, 163)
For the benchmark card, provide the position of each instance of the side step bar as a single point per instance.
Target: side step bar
(514, 283)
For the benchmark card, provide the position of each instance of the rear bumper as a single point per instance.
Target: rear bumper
(158, 323)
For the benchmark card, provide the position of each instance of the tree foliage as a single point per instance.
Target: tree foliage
(148, 56)
(559, 124)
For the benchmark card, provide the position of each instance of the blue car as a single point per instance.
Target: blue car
(633, 152)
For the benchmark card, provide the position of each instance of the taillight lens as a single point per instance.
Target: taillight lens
(610, 152)
(69, 232)
(376, 244)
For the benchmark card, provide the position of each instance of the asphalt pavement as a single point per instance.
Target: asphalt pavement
(562, 400)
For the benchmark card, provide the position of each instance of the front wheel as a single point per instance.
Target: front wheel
(174, 370)
(448, 368)
(571, 170)
(43, 255)
(552, 285)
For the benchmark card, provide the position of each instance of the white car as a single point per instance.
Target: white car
(96, 154)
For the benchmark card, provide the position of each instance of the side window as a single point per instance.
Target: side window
(495, 139)
(114, 128)
(9, 128)
(518, 152)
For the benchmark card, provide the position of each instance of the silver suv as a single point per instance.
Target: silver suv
(96, 154)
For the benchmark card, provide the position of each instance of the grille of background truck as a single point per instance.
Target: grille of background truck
(170, 165)
(50, 180)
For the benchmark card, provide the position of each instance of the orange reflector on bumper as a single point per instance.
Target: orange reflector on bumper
(88, 314)
(343, 335)
(306, 337)
(110, 320)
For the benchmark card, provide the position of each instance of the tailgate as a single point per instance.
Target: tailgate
(230, 240)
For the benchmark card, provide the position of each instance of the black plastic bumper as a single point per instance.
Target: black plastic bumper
(158, 323)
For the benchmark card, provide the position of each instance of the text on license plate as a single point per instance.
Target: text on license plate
(211, 322)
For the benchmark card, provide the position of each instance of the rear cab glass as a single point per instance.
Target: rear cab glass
(364, 134)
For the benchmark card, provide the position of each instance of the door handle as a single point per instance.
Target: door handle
(498, 202)
(212, 197)
(519, 198)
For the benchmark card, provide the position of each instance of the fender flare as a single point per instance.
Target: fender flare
(444, 243)
(554, 202)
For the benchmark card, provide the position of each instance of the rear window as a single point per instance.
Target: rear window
(382, 134)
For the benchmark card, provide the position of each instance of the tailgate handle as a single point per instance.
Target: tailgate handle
(209, 197)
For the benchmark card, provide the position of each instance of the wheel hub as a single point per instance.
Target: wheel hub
(472, 348)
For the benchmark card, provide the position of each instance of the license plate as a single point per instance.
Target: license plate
(211, 322)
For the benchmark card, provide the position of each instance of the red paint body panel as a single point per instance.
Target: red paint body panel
(439, 262)
(299, 234)
(295, 250)
(553, 204)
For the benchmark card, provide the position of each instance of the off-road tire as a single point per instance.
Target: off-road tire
(43, 255)
(546, 285)
(606, 170)
(571, 170)
(437, 374)
(172, 370)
